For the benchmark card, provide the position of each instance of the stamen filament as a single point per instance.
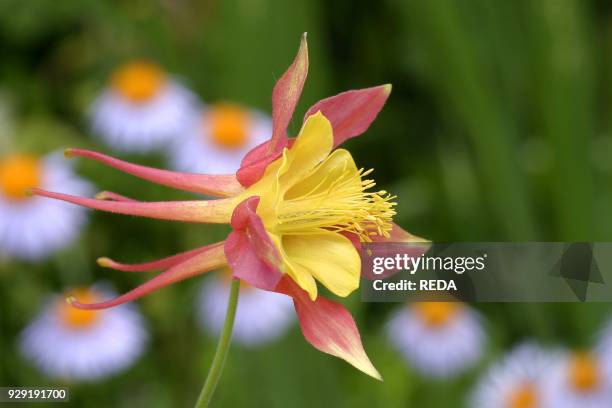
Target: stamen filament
(340, 205)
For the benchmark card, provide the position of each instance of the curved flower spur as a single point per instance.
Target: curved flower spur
(299, 209)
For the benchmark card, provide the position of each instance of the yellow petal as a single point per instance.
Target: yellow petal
(335, 166)
(302, 277)
(313, 144)
(268, 189)
(311, 147)
(328, 256)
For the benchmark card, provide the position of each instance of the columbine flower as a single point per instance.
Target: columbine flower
(440, 339)
(517, 380)
(262, 316)
(31, 227)
(298, 209)
(217, 140)
(142, 108)
(579, 380)
(70, 343)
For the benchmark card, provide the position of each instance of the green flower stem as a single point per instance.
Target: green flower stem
(222, 348)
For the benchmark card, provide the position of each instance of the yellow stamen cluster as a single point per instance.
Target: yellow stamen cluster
(138, 81)
(18, 174)
(436, 314)
(524, 397)
(584, 374)
(340, 205)
(228, 125)
(77, 319)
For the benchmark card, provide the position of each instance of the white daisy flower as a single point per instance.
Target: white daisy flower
(73, 344)
(579, 380)
(517, 381)
(439, 339)
(142, 109)
(218, 139)
(604, 347)
(261, 316)
(32, 227)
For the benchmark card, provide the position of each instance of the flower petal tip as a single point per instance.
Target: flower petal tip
(72, 301)
(360, 361)
(34, 191)
(69, 153)
(388, 88)
(373, 372)
(105, 262)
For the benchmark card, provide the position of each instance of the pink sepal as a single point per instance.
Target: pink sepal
(212, 258)
(250, 252)
(352, 112)
(159, 264)
(329, 327)
(199, 211)
(216, 185)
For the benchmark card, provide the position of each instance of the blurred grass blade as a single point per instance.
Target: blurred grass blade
(564, 84)
(462, 193)
(461, 80)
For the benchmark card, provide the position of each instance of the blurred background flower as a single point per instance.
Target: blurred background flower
(262, 316)
(517, 380)
(78, 345)
(142, 108)
(578, 380)
(438, 339)
(218, 139)
(30, 227)
(497, 129)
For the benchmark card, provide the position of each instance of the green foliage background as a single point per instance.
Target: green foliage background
(497, 129)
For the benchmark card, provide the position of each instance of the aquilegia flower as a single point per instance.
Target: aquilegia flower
(142, 109)
(217, 140)
(298, 208)
(517, 380)
(73, 344)
(439, 339)
(262, 316)
(30, 227)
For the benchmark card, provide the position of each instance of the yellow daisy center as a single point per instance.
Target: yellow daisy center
(584, 374)
(437, 314)
(18, 174)
(338, 204)
(229, 124)
(138, 81)
(523, 397)
(78, 319)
